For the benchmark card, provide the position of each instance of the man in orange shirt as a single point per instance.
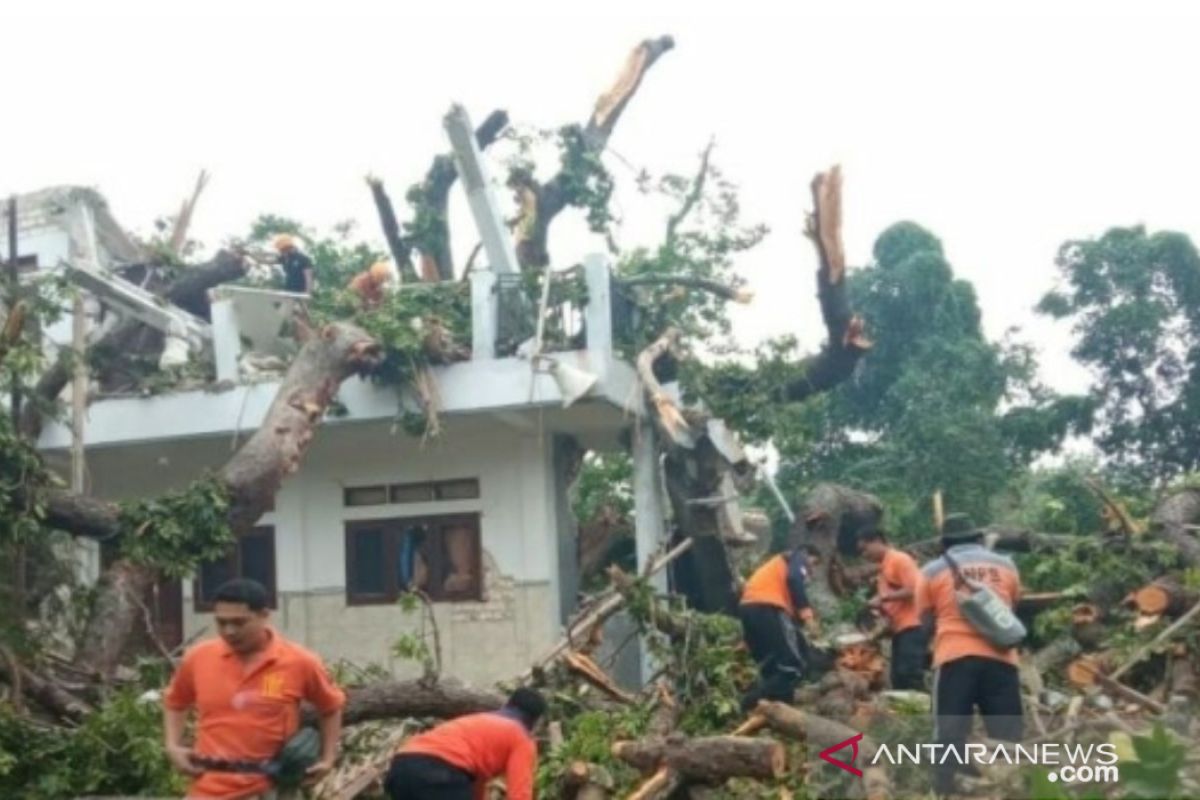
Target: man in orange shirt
(969, 671)
(455, 760)
(896, 599)
(773, 600)
(246, 687)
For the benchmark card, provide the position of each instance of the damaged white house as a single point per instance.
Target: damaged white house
(478, 517)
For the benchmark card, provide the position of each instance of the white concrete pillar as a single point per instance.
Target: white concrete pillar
(485, 314)
(226, 341)
(598, 317)
(649, 520)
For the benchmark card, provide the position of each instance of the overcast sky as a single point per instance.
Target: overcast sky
(1004, 133)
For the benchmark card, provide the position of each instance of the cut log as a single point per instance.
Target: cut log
(584, 781)
(659, 786)
(822, 733)
(711, 758)
(1082, 671)
(1164, 597)
(404, 699)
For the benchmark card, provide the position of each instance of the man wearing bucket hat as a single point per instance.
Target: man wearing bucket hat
(968, 594)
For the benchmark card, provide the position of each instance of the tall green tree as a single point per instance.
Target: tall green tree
(935, 405)
(1133, 299)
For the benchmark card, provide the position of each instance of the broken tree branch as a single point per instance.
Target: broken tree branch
(541, 204)
(847, 339)
(666, 415)
(609, 603)
(692, 198)
(184, 220)
(1150, 646)
(400, 249)
(189, 291)
(738, 294)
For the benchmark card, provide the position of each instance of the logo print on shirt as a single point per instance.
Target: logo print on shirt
(272, 686)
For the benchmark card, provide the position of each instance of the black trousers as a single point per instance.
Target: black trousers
(779, 650)
(959, 687)
(420, 777)
(910, 651)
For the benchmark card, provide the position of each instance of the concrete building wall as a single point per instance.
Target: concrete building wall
(481, 641)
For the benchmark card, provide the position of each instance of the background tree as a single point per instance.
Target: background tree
(1133, 300)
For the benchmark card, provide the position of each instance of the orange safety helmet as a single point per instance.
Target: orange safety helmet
(380, 272)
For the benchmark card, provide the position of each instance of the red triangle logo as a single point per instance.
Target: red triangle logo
(852, 742)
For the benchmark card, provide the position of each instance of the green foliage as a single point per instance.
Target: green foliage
(584, 179)
(934, 405)
(1158, 770)
(1058, 499)
(705, 234)
(1133, 299)
(117, 750)
(604, 486)
(179, 530)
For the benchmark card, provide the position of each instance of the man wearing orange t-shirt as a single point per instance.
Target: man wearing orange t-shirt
(896, 599)
(246, 687)
(457, 759)
(773, 600)
(969, 671)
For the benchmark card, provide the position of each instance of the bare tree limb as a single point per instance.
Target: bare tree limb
(184, 220)
(693, 196)
(430, 230)
(400, 248)
(737, 294)
(847, 339)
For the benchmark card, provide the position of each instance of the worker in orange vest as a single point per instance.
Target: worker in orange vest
(369, 284)
(896, 599)
(773, 601)
(969, 671)
(457, 759)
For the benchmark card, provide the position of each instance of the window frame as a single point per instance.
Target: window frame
(392, 528)
(204, 606)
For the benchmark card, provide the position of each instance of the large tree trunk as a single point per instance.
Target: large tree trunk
(251, 477)
(830, 520)
(711, 758)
